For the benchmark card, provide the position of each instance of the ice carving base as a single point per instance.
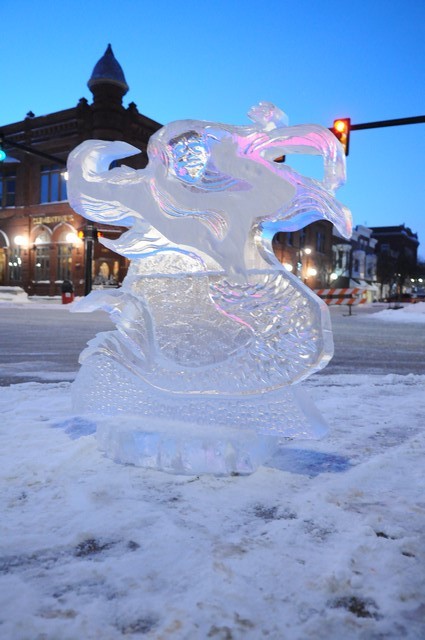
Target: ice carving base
(190, 434)
(184, 449)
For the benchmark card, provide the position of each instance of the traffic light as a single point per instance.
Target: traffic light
(341, 130)
(89, 232)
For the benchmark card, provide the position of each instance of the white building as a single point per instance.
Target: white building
(355, 261)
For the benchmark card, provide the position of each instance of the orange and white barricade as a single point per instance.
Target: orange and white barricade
(342, 296)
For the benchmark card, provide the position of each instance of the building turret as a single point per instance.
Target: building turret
(108, 71)
(108, 86)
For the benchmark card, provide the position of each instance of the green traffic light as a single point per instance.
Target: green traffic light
(2, 155)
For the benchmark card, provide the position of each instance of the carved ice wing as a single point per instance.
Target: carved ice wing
(91, 184)
(311, 139)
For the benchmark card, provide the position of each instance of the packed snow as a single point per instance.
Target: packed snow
(403, 313)
(326, 541)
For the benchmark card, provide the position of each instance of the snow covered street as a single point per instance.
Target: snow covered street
(325, 542)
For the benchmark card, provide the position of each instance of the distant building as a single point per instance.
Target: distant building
(39, 245)
(355, 261)
(397, 251)
(307, 253)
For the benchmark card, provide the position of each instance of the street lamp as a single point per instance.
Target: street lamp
(21, 241)
(72, 238)
(302, 251)
(308, 271)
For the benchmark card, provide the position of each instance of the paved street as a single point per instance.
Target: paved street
(370, 345)
(43, 344)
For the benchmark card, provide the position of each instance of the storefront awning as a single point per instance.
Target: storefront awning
(362, 284)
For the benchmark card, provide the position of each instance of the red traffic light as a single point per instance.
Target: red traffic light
(341, 126)
(341, 130)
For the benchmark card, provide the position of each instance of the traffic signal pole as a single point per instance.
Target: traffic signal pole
(343, 127)
(90, 235)
(387, 123)
(6, 142)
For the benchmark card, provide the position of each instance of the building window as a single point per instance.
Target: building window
(64, 257)
(279, 238)
(64, 261)
(371, 267)
(290, 239)
(303, 236)
(320, 242)
(15, 265)
(7, 190)
(53, 184)
(42, 257)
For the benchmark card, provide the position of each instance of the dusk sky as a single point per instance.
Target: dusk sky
(316, 60)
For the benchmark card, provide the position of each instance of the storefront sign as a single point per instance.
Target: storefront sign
(52, 219)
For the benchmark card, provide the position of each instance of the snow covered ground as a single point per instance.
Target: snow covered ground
(407, 313)
(325, 542)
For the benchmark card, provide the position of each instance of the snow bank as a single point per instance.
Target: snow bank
(325, 542)
(13, 294)
(407, 313)
(16, 297)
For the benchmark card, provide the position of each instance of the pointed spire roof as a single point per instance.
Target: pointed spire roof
(108, 71)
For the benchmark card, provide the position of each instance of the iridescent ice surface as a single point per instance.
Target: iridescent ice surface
(212, 332)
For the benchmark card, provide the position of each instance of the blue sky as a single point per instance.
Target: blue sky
(317, 60)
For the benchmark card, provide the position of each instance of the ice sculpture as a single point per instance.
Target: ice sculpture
(212, 332)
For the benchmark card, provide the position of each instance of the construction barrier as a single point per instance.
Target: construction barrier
(342, 296)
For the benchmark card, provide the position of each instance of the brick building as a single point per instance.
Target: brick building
(307, 253)
(397, 250)
(39, 244)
